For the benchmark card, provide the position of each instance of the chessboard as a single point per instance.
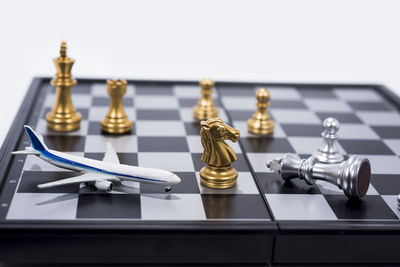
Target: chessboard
(261, 220)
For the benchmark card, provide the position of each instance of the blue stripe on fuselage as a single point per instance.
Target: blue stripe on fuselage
(51, 156)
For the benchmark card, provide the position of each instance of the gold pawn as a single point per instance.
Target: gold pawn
(260, 123)
(205, 108)
(63, 117)
(116, 120)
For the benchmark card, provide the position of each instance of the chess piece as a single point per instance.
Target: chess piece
(218, 173)
(116, 120)
(328, 152)
(352, 175)
(260, 123)
(205, 108)
(63, 117)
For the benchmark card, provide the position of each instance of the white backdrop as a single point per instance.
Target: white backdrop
(288, 41)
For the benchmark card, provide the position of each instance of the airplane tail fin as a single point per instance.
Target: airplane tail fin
(36, 140)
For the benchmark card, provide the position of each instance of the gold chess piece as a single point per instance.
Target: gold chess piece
(261, 123)
(205, 108)
(63, 117)
(116, 120)
(218, 173)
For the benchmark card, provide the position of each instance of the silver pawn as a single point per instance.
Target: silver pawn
(328, 152)
(352, 175)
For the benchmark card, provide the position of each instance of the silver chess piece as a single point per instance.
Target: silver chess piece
(352, 175)
(328, 152)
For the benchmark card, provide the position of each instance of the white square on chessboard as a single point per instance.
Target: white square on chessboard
(191, 91)
(33, 163)
(99, 113)
(239, 102)
(43, 206)
(160, 128)
(379, 118)
(331, 189)
(295, 116)
(327, 105)
(42, 129)
(100, 90)
(358, 95)
(381, 164)
(245, 185)
(175, 161)
(356, 131)
(187, 115)
(308, 145)
(300, 207)
(242, 127)
(283, 93)
(172, 207)
(97, 143)
(391, 201)
(156, 102)
(259, 160)
(195, 146)
(394, 145)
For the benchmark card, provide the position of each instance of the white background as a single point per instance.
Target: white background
(287, 41)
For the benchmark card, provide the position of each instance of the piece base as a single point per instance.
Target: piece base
(218, 177)
(201, 113)
(116, 126)
(260, 127)
(61, 122)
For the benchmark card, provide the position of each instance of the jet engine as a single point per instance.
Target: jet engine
(104, 185)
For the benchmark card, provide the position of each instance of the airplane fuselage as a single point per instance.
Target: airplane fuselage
(122, 171)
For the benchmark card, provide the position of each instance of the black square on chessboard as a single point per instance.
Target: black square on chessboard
(30, 180)
(109, 206)
(84, 112)
(287, 104)
(65, 143)
(366, 147)
(387, 131)
(162, 144)
(386, 184)
(124, 158)
(370, 106)
(236, 91)
(369, 207)
(274, 184)
(240, 165)
(82, 88)
(234, 206)
(295, 130)
(192, 128)
(266, 145)
(241, 115)
(95, 129)
(191, 102)
(154, 89)
(188, 185)
(157, 114)
(99, 101)
(316, 92)
(341, 117)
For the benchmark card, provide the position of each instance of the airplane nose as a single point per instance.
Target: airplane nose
(175, 179)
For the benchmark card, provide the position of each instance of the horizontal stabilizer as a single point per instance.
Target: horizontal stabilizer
(27, 151)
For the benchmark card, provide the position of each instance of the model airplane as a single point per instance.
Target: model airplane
(100, 174)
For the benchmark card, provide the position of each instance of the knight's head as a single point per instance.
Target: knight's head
(219, 130)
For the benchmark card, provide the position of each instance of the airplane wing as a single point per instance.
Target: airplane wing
(110, 155)
(86, 177)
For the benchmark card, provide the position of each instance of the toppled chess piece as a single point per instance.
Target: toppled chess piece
(328, 152)
(63, 117)
(260, 123)
(205, 108)
(116, 120)
(352, 175)
(218, 173)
